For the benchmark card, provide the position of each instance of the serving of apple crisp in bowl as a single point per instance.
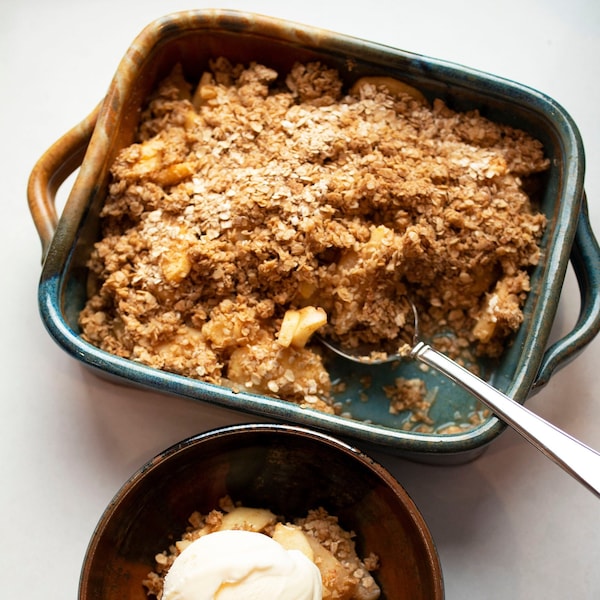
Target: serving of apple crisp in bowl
(262, 511)
(250, 183)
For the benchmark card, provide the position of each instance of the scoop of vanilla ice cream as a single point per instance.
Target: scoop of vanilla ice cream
(235, 564)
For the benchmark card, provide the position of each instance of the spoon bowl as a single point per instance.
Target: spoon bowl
(371, 354)
(367, 354)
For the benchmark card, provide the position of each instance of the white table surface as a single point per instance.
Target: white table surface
(509, 525)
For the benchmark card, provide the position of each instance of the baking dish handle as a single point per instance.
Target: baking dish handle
(585, 260)
(51, 170)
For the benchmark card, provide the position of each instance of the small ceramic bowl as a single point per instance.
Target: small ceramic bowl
(191, 39)
(287, 469)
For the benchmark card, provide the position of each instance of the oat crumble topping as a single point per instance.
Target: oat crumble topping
(252, 193)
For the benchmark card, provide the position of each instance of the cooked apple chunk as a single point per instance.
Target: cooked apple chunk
(248, 518)
(298, 325)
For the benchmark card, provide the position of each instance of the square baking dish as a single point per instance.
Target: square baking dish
(192, 38)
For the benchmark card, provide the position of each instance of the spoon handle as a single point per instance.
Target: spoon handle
(577, 459)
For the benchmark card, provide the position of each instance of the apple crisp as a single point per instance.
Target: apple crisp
(257, 207)
(318, 535)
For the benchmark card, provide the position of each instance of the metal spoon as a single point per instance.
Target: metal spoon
(577, 459)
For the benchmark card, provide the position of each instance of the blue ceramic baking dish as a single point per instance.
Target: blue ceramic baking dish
(193, 37)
